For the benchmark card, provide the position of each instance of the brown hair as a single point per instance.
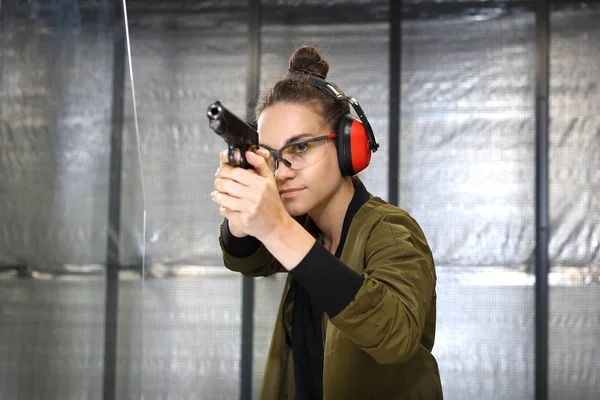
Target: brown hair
(293, 87)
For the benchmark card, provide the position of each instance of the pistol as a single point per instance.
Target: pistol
(237, 133)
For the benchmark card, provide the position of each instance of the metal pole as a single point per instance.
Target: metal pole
(541, 191)
(394, 101)
(114, 203)
(252, 92)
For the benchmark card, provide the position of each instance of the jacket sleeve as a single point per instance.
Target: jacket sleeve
(387, 316)
(258, 263)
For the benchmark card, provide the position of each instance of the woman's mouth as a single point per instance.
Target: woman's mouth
(286, 194)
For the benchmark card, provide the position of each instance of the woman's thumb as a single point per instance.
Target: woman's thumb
(259, 163)
(264, 153)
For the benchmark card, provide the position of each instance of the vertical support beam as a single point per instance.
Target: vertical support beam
(394, 101)
(254, 48)
(542, 23)
(252, 92)
(114, 202)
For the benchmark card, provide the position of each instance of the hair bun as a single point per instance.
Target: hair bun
(308, 60)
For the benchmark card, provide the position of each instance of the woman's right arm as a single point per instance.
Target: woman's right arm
(246, 254)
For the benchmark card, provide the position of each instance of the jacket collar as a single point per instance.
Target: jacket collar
(361, 196)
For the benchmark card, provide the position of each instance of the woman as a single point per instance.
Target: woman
(357, 315)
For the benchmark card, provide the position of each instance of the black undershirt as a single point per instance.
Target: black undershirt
(307, 346)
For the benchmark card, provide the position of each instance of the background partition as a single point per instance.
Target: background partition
(55, 121)
(95, 155)
(467, 174)
(574, 246)
(185, 340)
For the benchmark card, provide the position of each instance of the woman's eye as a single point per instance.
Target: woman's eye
(301, 148)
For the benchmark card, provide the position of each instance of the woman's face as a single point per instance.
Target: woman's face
(303, 189)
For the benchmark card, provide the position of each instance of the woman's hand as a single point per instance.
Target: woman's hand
(249, 198)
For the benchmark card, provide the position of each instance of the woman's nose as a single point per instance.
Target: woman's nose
(283, 172)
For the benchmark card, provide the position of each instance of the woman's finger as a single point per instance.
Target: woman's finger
(266, 154)
(245, 177)
(229, 202)
(232, 216)
(259, 162)
(224, 157)
(230, 187)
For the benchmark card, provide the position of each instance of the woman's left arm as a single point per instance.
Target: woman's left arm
(384, 310)
(387, 316)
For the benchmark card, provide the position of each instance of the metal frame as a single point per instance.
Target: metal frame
(113, 233)
(252, 93)
(542, 44)
(394, 101)
(356, 12)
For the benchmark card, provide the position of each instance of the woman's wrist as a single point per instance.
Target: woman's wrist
(238, 246)
(289, 243)
(238, 233)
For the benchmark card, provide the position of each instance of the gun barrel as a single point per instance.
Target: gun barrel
(237, 133)
(215, 115)
(228, 125)
(215, 110)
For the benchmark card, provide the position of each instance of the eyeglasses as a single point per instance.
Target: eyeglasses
(300, 154)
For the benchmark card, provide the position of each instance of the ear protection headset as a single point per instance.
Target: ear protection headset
(355, 138)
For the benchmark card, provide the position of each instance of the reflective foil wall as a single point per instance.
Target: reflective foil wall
(467, 174)
(55, 120)
(183, 338)
(575, 204)
(54, 136)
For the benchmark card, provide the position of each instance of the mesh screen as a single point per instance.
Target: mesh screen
(180, 338)
(55, 95)
(181, 64)
(185, 340)
(51, 338)
(467, 158)
(467, 176)
(467, 143)
(574, 204)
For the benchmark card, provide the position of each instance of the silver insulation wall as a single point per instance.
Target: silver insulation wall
(56, 100)
(466, 174)
(575, 204)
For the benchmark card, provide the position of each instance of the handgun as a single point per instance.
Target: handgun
(237, 133)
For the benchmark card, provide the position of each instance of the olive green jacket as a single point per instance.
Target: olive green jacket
(379, 346)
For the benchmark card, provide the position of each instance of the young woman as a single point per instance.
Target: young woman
(357, 315)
